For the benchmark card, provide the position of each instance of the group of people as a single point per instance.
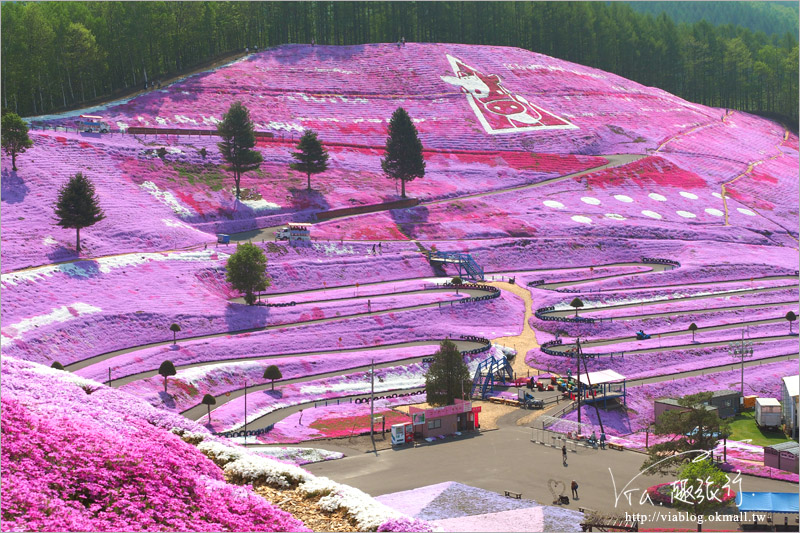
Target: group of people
(380, 248)
(152, 85)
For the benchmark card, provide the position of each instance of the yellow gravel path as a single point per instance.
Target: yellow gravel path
(525, 341)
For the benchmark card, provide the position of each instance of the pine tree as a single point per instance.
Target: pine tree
(78, 206)
(15, 138)
(448, 376)
(247, 271)
(238, 137)
(403, 159)
(312, 157)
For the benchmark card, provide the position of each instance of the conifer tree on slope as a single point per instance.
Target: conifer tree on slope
(78, 206)
(238, 139)
(447, 377)
(403, 159)
(15, 138)
(312, 157)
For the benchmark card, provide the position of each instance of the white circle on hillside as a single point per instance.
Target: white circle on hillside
(553, 204)
(657, 197)
(652, 214)
(716, 195)
(714, 212)
(582, 219)
(744, 211)
(614, 216)
(686, 214)
(589, 200)
(623, 198)
(689, 195)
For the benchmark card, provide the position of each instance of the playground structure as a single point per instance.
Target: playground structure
(489, 370)
(465, 263)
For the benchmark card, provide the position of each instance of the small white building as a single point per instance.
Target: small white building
(789, 391)
(768, 412)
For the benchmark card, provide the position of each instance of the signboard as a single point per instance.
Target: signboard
(418, 418)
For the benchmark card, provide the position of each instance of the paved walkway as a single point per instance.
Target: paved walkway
(505, 459)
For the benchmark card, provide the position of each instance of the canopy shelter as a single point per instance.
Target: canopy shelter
(768, 502)
(605, 385)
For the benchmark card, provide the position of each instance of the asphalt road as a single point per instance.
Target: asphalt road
(506, 459)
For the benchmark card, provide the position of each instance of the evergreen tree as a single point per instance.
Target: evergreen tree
(576, 303)
(403, 159)
(78, 206)
(791, 317)
(15, 140)
(272, 372)
(312, 157)
(448, 376)
(167, 369)
(690, 429)
(247, 271)
(238, 139)
(208, 401)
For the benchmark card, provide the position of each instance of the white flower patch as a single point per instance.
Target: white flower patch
(589, 200)
(121, 125)
(553, 204)
(71, 377)
(170, 223)
(582, 219)
(65, 313)
(338, 70)
(334, 249)
(614, 216)
(747, 212)
(161, 121)
(167, 198)
(107, 264)
(689, 195)
(714, 212)
(49, 241)
(299, 455)
(286, 126)
(716, 195)
(250, 468)
(210, 121)
(368, 513)
(260, 205)
(185, 120)
(143, 121)
(652, 214)
(624, 199)
(686, 214)
(174, 150)
(197, 374)
(318, 119)
(657, 197)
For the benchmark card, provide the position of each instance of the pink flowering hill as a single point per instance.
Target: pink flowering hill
(559, 176)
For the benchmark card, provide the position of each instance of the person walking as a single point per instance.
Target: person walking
(564, 454)
(602, 440)
(380, 247)
(369, 306)
(373, 249)
(575, 490)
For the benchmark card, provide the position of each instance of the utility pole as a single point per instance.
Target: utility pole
(372, 402)
(741, 350)
(245, 413)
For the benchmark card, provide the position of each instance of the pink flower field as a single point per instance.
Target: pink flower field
(594, 176)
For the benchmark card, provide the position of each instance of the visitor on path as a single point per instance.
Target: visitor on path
(301, 418)
(403, 40)
(602, 440)
(380, 247)
(369, 306)
(564, 454)
(575, 490)
(313, 42)
(373, 249)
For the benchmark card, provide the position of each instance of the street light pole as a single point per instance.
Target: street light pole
(372, 402)
(741, 350)
(245, 413)
(578, 379)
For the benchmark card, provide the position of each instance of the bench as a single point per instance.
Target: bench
(512, 494)
(615, 446)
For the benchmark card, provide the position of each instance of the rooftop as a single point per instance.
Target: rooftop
(792, 384)
(788, 446)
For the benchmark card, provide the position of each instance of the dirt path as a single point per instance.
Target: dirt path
(525, 341)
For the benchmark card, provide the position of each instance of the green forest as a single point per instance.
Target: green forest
(58, 55)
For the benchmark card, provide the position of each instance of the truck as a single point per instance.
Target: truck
(92, 124)
(295, 231)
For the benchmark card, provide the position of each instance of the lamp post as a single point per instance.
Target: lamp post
(741, 350)
(245, 413)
